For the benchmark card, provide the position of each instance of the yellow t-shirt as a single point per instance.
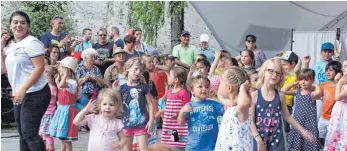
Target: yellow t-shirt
(290, 79)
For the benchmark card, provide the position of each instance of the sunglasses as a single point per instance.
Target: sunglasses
(102, 35)
(249, 41)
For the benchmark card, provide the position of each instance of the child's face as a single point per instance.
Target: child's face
(135, 72)
(273, 74)
(201, 68)
(330, 73)
(306, 84)
(246, 58)
(54, 54)
(288, 67)
(327, 54)
(120, 57)
(108, 107)
(171, 78)
(169, 63)
(149, 63)
(344, 67)
(201, 89)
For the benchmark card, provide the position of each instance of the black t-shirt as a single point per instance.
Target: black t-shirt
(119, 43)
(104, 51)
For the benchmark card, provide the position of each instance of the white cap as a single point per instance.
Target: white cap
(204, 38)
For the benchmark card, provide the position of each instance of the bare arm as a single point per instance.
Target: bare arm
(244, 102)
(339, 94)
(178, 62)
(286, 89)
(80, 118)
(287, 117)
(214, 64)
(150, 107)
(122, 140)
(297, 68)
(163, 68)
(181, 119)
(317, 93)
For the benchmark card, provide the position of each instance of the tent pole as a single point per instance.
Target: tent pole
(292, 40)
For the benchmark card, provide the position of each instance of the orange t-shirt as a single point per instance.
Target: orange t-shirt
(328, 99)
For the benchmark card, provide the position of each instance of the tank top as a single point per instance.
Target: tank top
(268, 120)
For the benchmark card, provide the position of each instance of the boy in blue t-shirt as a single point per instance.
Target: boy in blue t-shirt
(327, 52)
(201, 116)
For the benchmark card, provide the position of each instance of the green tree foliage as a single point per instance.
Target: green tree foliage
(147, 15)
(41, 13)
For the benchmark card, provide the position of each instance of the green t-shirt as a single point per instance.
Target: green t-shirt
(185, 54)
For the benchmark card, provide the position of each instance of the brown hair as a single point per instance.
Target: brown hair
(129, 38)
(133, 61)
(197, 79)
(306, 74)
(235, 76)
(180, 73)
(114, 95)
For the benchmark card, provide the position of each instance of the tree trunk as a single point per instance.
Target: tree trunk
(177, 23)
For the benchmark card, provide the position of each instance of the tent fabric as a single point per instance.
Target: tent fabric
(271, 22)
(308, 43)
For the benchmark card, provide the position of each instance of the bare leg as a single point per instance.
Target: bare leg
(129, 144)
(143, 141)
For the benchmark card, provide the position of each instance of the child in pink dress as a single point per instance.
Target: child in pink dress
(106, 131)
(337, 130)
(48, 116)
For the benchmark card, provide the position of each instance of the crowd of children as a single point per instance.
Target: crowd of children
(228, 104)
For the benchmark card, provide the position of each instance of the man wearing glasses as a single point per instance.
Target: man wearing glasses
(58, 37)
(105, 50)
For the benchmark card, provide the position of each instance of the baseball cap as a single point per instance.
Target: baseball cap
(204, 38)
(184, 33)
(327, 46)
(290, 56)
(171, 57)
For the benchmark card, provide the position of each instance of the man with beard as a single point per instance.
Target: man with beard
(58, 37)
(114, 36)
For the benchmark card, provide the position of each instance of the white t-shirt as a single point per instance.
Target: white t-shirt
(19, 66)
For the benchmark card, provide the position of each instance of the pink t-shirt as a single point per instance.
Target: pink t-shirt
(103, 133)
(52, 104)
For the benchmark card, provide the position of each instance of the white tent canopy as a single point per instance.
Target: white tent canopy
(271, 22)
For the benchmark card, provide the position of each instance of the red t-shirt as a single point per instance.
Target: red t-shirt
(159, 79)
(174, 103)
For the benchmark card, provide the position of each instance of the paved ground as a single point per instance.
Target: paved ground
(10, 142)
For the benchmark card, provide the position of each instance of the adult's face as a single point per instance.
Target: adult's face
(102, 37)
(58, 24)
(204, 45)
(88, 35)
(250, 43)
(54, 55)
(138, 35)
(185, 39)
(19, 26)
(90, 59)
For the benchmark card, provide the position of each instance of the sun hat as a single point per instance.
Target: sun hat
(69, 62)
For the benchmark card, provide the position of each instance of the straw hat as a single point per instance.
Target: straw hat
(69, 62)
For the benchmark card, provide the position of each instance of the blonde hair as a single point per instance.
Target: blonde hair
(133, 61)
(161, 147)
(263, 69)
(114, 95)
(235, 76)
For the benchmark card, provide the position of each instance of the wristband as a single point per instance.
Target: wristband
(256, 136)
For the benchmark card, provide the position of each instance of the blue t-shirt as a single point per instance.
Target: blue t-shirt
(119, 43)
(46, 40)
(86, 44)
(208, 52)
(203, 125)
(135, 105)
(319, 69)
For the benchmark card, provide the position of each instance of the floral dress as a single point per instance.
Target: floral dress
(337, 131)
(234, 135)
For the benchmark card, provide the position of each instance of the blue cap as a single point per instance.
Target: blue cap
(327, 46)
